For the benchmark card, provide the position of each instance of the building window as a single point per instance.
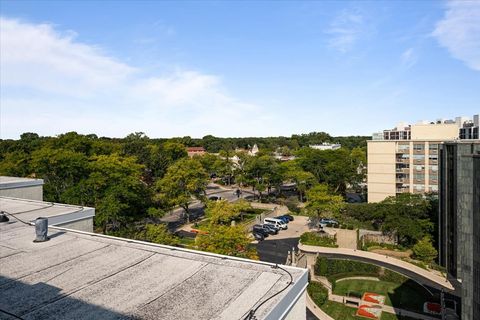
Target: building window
(418, 177)
(418, 147)
(419, 187)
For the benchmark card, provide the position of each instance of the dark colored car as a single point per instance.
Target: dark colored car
(271, 228)
(289, 217)
(258, 236)
(214, 198)
(260, 229)
(283, 218)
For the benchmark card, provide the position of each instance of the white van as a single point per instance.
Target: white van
(276, 222)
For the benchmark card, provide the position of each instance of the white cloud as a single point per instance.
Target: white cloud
(52, 83)
(409, 58)
(459, 31)
(345, 30)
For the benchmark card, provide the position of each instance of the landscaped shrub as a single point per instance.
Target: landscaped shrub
(329, 267)
(424, 250)
(318, 293)
(314, 239)
(392, 276)
(371, 245)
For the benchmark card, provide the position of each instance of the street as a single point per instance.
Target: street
(176, 217)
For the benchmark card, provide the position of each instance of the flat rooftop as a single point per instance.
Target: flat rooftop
(15, 182)
(57, 213)
(79, 275)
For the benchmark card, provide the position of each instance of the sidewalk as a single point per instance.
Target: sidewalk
(412, 271)
(341, 299)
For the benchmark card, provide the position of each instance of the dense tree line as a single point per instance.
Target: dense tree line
(137, 177)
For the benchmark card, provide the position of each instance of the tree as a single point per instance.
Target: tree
(61, 170)
(303, 180)
(424, 250)
(321, 202)
(227, 240)
(184, 181)
(157, 233)
(406, 216)
(116, 190)
(221, 212)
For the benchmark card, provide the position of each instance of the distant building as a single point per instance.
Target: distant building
(254, 150)
(326, 146)
(405, 158)
(79, 275)
(193, 151)
(24, 188)
(459, 221)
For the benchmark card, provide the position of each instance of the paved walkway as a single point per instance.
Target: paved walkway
(319, 313)
(413, 272)
(341, 299)
(388, 309)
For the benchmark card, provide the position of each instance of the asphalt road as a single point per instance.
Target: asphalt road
(276, 250)
(177, 217)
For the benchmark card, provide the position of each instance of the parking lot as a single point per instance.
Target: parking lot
(275, 248)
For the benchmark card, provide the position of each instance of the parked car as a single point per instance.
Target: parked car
(214, 198)
(288, 216)
(258, 236)
(258, 228)
(271, 228)
(276, 222)
(283, 218)
(324, 222)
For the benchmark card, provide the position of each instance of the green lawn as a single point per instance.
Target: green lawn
(340, 311)
(408, 295)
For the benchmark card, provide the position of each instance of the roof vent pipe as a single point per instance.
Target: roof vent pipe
(41, 229)
(3, 217)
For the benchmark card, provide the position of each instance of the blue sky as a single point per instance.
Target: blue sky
(260, 68)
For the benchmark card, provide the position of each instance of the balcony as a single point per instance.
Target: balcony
(402, 160)
(433, 151)
(418, 151)
(402, 189)
(402, 180)
(402, 170)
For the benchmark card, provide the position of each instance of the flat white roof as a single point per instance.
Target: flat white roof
(16, 182)
(57, 213)
(79, 275)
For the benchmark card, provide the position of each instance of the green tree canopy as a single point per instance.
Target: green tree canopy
(227, 240)
(184, 181)
(321, 203)
(424, 250)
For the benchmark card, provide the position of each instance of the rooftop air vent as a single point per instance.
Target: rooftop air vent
(41, 229)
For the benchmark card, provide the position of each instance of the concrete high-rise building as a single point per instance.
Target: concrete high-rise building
(405, 158)
(459, 221)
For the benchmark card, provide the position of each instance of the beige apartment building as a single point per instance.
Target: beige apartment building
(405, 159)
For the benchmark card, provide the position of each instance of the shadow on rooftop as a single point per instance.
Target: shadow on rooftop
(19, 300)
